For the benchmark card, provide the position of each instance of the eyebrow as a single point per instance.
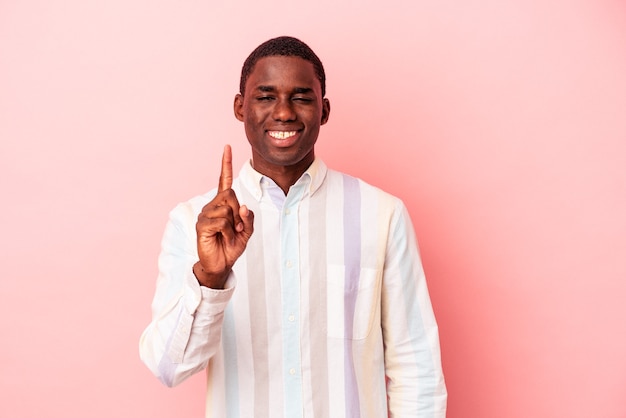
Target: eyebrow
(297, 90)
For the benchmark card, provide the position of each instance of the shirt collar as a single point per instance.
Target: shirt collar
(251, 179)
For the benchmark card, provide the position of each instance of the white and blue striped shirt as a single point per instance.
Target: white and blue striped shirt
(326, 314)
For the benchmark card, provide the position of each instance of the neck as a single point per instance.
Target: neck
(284, 176)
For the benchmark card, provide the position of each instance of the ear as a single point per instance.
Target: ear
(238, 106)
(325, 110)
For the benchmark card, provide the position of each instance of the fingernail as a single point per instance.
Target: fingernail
(239, 227)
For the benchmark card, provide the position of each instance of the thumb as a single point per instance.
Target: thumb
(247, 217)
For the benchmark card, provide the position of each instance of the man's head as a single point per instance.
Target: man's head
(282, 46)
(283, 107)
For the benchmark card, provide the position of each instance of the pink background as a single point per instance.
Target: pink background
(502, 124)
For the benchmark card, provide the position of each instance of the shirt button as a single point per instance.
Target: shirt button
(288, 263)
(287, 211)
(292, 318)
(292, 371)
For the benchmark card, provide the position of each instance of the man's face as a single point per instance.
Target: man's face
(282, 112)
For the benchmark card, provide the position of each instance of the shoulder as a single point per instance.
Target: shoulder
(189, 209)
(368, 194)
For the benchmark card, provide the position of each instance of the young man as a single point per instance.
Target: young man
(300, 289)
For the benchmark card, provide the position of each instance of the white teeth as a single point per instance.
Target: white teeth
(281, 134)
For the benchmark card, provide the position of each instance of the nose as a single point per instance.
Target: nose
(283, 111)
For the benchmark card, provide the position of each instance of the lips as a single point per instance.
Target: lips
(283, 139)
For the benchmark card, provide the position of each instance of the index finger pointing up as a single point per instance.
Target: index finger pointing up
(226, 176)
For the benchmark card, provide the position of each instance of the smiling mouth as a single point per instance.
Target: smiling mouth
(281, 134)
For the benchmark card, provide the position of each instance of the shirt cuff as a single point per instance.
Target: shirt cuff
(214, 301)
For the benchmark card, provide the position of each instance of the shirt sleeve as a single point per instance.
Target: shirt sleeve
(415, 382)
(187, 318)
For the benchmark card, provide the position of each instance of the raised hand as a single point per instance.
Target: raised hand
(223, 230)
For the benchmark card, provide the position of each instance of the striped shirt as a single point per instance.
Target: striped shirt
(326, 314)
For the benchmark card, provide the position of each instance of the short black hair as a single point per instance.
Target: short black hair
(285, 46)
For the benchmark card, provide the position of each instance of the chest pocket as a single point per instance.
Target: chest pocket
(353, 300)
